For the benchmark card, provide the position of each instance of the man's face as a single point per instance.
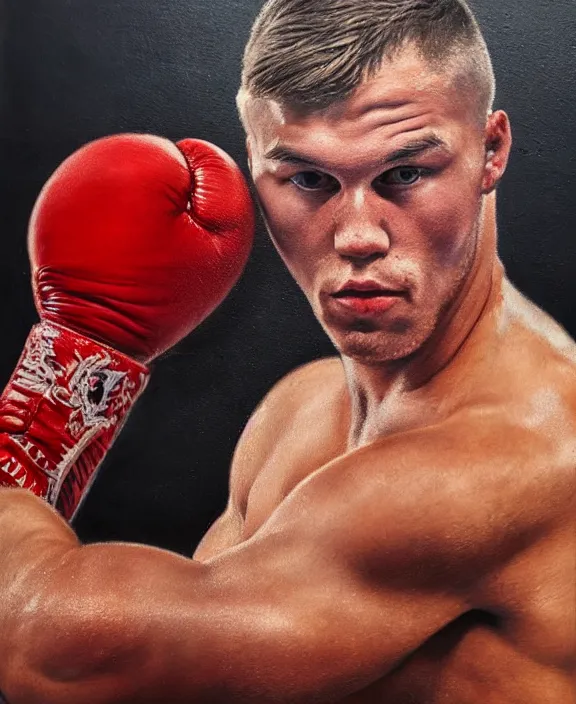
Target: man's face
(375, 203)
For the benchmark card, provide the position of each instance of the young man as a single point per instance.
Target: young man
(400, 525)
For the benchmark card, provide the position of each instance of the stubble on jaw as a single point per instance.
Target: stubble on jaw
(403, 337)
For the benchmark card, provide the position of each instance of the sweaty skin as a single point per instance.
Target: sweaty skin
(400, 526)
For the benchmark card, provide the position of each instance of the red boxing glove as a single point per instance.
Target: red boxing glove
(133, 242)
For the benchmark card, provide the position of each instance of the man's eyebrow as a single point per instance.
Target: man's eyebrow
(288, 156)
(412, 149)
(408, 151)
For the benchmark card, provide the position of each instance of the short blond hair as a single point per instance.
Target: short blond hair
(310, 54)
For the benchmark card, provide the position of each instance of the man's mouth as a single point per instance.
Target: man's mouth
(365, 289)
(372, 293)
(366, 297)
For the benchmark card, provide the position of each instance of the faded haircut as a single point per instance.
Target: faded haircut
(310, 54)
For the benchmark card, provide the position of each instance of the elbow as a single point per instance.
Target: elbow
(59, 657)
(25, 667)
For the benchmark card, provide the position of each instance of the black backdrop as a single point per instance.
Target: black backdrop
(73, 71)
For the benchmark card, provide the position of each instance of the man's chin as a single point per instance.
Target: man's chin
(375, 347)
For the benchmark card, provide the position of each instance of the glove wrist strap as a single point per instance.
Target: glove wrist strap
(71, 396)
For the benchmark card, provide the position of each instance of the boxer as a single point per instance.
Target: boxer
(400, 525)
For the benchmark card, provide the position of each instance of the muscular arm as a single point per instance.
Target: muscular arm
(361, 563)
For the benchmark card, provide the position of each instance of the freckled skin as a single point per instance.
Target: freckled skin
(401, 525)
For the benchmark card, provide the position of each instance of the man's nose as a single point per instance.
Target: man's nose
(360, 232)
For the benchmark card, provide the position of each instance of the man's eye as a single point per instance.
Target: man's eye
(402, 176)
(314, 181)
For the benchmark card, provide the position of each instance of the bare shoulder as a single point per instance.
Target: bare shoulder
(318, 378)
(295, 424)
(313, 385)
(545, 336)
(311, 395)
(537, 369)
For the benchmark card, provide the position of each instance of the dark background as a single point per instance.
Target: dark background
(75, 70)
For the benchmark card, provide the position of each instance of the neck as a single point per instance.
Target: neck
(374, 387)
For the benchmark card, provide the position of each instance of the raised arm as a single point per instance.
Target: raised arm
(160, 247)
(362, 563)
(133, 242)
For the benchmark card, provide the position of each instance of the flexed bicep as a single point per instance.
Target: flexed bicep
(358, 567)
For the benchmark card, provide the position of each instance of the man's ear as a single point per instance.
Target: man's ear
(249, 153)
(498, 142)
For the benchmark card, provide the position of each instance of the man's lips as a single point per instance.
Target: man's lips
(365, 289)
(366, 297)
(370, 293)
